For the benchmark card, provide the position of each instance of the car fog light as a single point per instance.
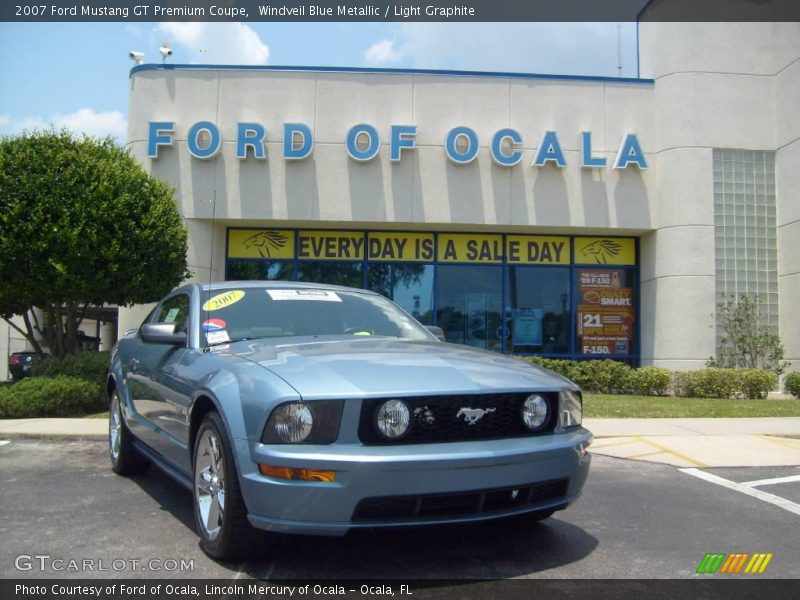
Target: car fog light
(534, 412)
(293, 422)
(393, 419)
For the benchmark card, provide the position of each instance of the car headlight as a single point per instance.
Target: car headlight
(570, 411)
(393, 419)
(315, 422)
(534, 412)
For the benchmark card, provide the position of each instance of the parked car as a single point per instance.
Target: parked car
(304, 408)
(20, 363)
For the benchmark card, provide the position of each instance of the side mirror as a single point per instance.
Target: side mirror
(437, 331)
(162, 333)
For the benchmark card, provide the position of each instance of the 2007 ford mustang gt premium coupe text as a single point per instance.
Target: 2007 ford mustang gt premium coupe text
(305, 408)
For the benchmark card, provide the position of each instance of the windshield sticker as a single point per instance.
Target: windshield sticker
(214, 325)
(223, 300)
(217, 337)
(172, 314)
(319, 295)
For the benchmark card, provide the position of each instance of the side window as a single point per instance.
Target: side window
(174, 310)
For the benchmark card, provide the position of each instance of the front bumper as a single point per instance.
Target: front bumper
(364, 472)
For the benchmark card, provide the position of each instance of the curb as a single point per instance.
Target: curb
(55, 437)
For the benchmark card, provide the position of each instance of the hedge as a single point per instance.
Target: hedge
(51, 397)
(792, 384)
(756, 383)
(89, 366)
(705, 383)
(614, 377)
(650, 381)
(604, 376)
(564, 368)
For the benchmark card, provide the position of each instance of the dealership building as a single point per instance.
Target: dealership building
(572, 217)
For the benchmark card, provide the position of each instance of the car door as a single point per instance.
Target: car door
(157, 394)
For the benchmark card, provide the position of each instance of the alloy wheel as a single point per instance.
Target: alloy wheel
(209, 483)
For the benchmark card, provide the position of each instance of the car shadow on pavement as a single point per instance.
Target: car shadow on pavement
(170, 495)
(492, 549)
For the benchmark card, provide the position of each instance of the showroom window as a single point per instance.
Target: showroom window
(470, 305)
(238, 270)
(408, 285)
(558, 296)
(350, 274)
(539, 310)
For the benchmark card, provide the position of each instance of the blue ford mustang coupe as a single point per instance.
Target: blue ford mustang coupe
(304, 408)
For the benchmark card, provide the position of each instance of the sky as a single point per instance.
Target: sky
(75, 75)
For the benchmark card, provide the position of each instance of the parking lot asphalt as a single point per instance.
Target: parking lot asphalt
(60, 499)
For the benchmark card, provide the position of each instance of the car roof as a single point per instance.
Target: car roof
(282, 285)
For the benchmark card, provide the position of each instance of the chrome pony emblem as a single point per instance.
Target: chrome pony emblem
(473, 415)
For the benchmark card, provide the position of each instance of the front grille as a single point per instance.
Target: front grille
(444, 418)
(461, 504)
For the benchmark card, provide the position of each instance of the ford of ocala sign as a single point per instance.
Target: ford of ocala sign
(363, 143)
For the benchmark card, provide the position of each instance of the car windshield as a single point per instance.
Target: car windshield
(248, 313)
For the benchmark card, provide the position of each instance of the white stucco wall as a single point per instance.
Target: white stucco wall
(786, 38)
(718, 85)
(424, 187)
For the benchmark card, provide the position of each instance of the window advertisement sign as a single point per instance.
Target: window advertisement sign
(527, 330)
(260, 243)
(400, 246)
(470, 248)
(606, 312)
(331, 245)
(537, 250)
(605, 251)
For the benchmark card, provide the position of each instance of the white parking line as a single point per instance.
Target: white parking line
(772, 481)
(4, 442)
(783, 503)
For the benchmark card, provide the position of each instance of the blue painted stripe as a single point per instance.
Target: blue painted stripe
(379, 71)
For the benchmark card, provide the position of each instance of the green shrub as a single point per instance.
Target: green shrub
(602, 376)
(89, 366)
(756, 383)
(707, 383)
(650, 381)
(50, 397)
(565, 368)
(792, 384)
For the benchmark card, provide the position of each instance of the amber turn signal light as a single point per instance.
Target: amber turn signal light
(297, 474)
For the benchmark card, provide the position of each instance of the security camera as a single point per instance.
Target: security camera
(136, 57)
(165, 52)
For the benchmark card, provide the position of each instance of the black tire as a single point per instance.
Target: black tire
(125, 460)
(225, 533)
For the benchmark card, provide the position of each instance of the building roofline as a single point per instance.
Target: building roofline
(382, 71)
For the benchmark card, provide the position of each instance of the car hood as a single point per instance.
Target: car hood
(364, 368)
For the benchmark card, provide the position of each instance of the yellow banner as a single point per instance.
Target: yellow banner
(390, 246)
(467, 247)
(260, 243)
(605, 251)
(537, 250)
(331, 245)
